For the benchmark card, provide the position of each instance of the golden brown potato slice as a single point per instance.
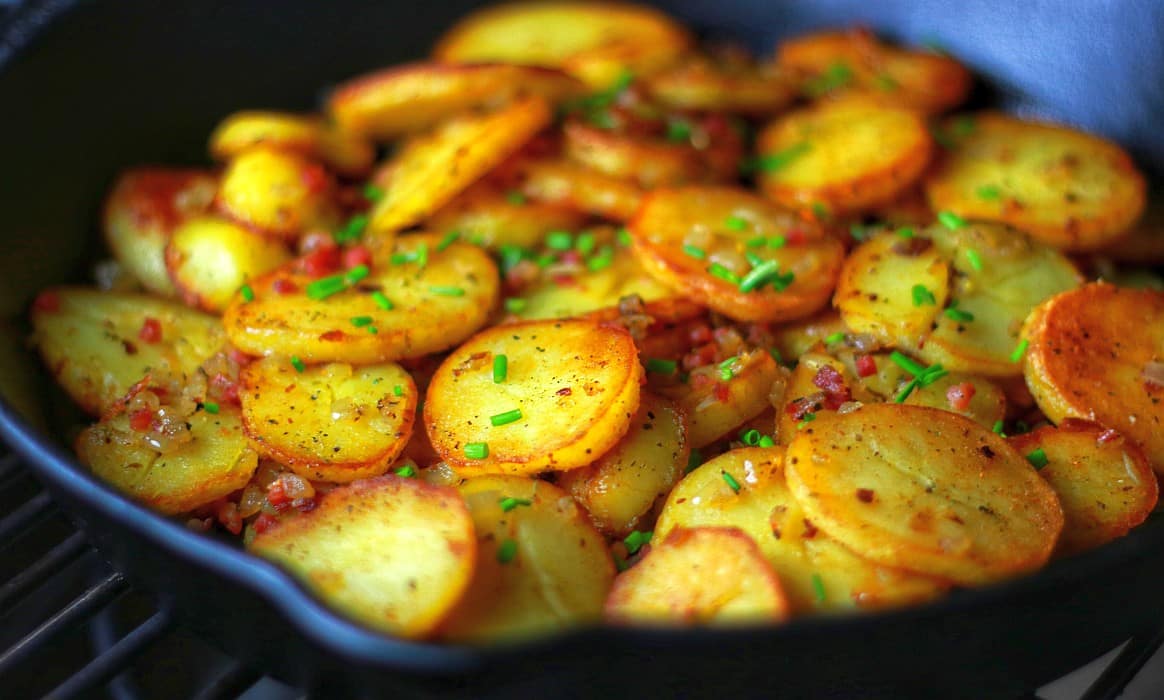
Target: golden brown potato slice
(210, 258)
(856, 62)
(345, 152)
(817, 573)
(1144, 243)
(408, 98)
(567, 396)
(489, 216)
(622, 485)
(701, 576)
(594, 41)
(540, 565)
(142, 211)
(329, 422)
(1069, 189)
(1097, 353)
(702, 83)
(213, 462)
(977, 398)
(925, 490)
(846, 155)
(402, 310)
(278, 192)
(99, 344)
(431, 169)
(581, 189)
(736, 253)
(1103, 481)
(648, 162)
(394, 554)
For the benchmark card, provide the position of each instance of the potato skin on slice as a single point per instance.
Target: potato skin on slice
(925, 490)
(209, 258)
(701, 576)
(330, 422)
(394, 554)
(575, 382)
(1102, 479)
(1071, 190)
(1089, 355)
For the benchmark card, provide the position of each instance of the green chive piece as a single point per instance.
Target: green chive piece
(352, 230)
(757, 242)
(951, 220)
(818, 588)
(545, 261)
(735, 223)
(759, 276)
(601, 260)
(635, 541)
(907, 363)
(505, 418)
(356, 274)
(624, 237)
(955, 314)
(886, 83)
(559, 240)
(510, 255)
(678, 131)
(500, 369)
(753, 259)
(998, 427)
(921, 296)
(210, 407)
(820, 210)
(731, 481)
(835, 76)
(905, 232)
(477, 450)
(751, 438)
(694, 252)
(247, 293)
(775, 242)
(407, 471)
(508, 503)
(398, 390)
(661, 366)
(325, 287)
(725, 369)
(766, 441)
(361, 321)
(834, 338)
(373, 330)
(585, 243)
(372, 193)
(989, 192)
(904, 394)
(620, 564)
(771, 162)
(515, 198)
(382, 301)
(447, 291)
(1020, 350)
(974, 258)
(858, 232)
(506, 551)
(1038, 458)
(448, 240)
(808, 418)
(298, 364)
(693, 461)
(717, 270)
(931, 374)
(514, 304)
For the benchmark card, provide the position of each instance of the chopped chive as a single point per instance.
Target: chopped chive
(1038, 458)
(382, 301)
(835, 76)
(361, 321)
(506, 551)
(508, 503)
(921, 296)
(418, 256)
(356, 274)
(505, 418)
(904, 393)
(623, 236)
(510, 255)
(955, 314)
(407, 471)
(834, 338)
(731, 481)
(500, 368)
(757, 242)
(373, 330)
(818, 588)
(398, 390)
(974, 258)
(247, 293)
(635, 541)
(907, 363)
(905, 232)
(777, 241)
(766, 441)
(661, 366)
(717, 270)
(515, 198)
(477, 450)
(808, 418)
(1020, 350)
(447, 291)
(694, 252)
(886, 83)
(735, 223)
(858, 232)
(544, 261)
(760, 275)
(448, 240)
(620, 564)
(372, 193)
(989, 192)
(601, 260)
(325, 287)
(753, 259)
(951, 220)
(750, 438)
(352, 229)
(210, 407)
(820, 210)
(514, 304)
(678, 131)
(694, 459)
(931, 374)
(725, 369)
(771, 162)
(298, 364)
(559, 240)
(585, 243)
(998, 428)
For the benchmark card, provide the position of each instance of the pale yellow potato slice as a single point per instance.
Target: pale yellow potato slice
(580, 188)
(925, 490)
(489, 216)
(846, 155)
(433, 307)
(1066, 188)
(428, 171)
(212, 464)
(209, 258)
(1103, 481)
(1093, 354)
(142, 210)
(684, 235)
(701, 576)
(345, 152)
(987, 404)
(330, 422)
(391, 553)
(278, 192)
(647, 162)
(91, 342)
(541, 566)
(703, 84)
(817, 573)
(620, 487)
(575, 383)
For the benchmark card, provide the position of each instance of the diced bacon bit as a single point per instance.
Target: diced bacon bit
(959, 395)
(796, 236)
(809, 529)
(277, 496)
(722, 392)
(564, 391)
(321, 262)
(315, 240)
(151, 331)
(141, 420)
(866, 366)
(239, 357)
(1107, 436)
(865, 495)
(265, 522)
(801, 407)
(570, 257)
(700, 334)
(47, 302)
(283, 286)
(224, 389)
(700, 357)
(836, 392)
(357, 255)
(228, 516)
(314, 178)
(304, 505)
(521, 275)
(563, 280)
(333, 336)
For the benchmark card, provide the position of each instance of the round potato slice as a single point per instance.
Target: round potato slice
(540, 565)
(647, 162)
(402, 310)
(594, 41)
(391, 553)
(1102, 479)
(142, 211)
(703, 84)
(1071, 190)
(430, 170)
(278, 192)
(1097, 353)
(817, 573)
(210, 258)
(569, 392)
(329, 422)
(345, 152)
(213, 463)
(979, 399)
(925, 490)
(701, 576)
(581, 189)
(488, 216)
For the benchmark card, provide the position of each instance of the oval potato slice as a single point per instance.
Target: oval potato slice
(647, 162)
(1066, 188)
(925, 490)
(1090, 350)
(329, 422)
(581, 189)
(210, 258)
(674, 227)
(214, 463)
(988, 402)
(433, 307)
(1102, 479)
(701, 576)
(345, 152)
(575, 382)
(90, 341)
(490, 217)
(278, 192)
(701, 83)
(391, 553)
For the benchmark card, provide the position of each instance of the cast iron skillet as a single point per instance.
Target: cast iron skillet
(89, 89)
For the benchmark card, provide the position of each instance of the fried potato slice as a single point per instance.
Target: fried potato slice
(620, 487)
(1103, 481)
(698, 240)
(329, 422)
(430, 170)
(1066, 188)
(594, 41)
(278, 192)
(575, 383)
(142, 210)
(412, 97)
(347, 153)
(819, 386)
(212, 464)
(925, 490)
(209, 258)
(540, 565)
(701, 83)
(701, 576)
(817, 573)
(1095, 353)
(978, 398)
(391, 553)
(92, 341)
(434, 306)
(648, 162)
(488, 216)
(857, 62)
(581, 189)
